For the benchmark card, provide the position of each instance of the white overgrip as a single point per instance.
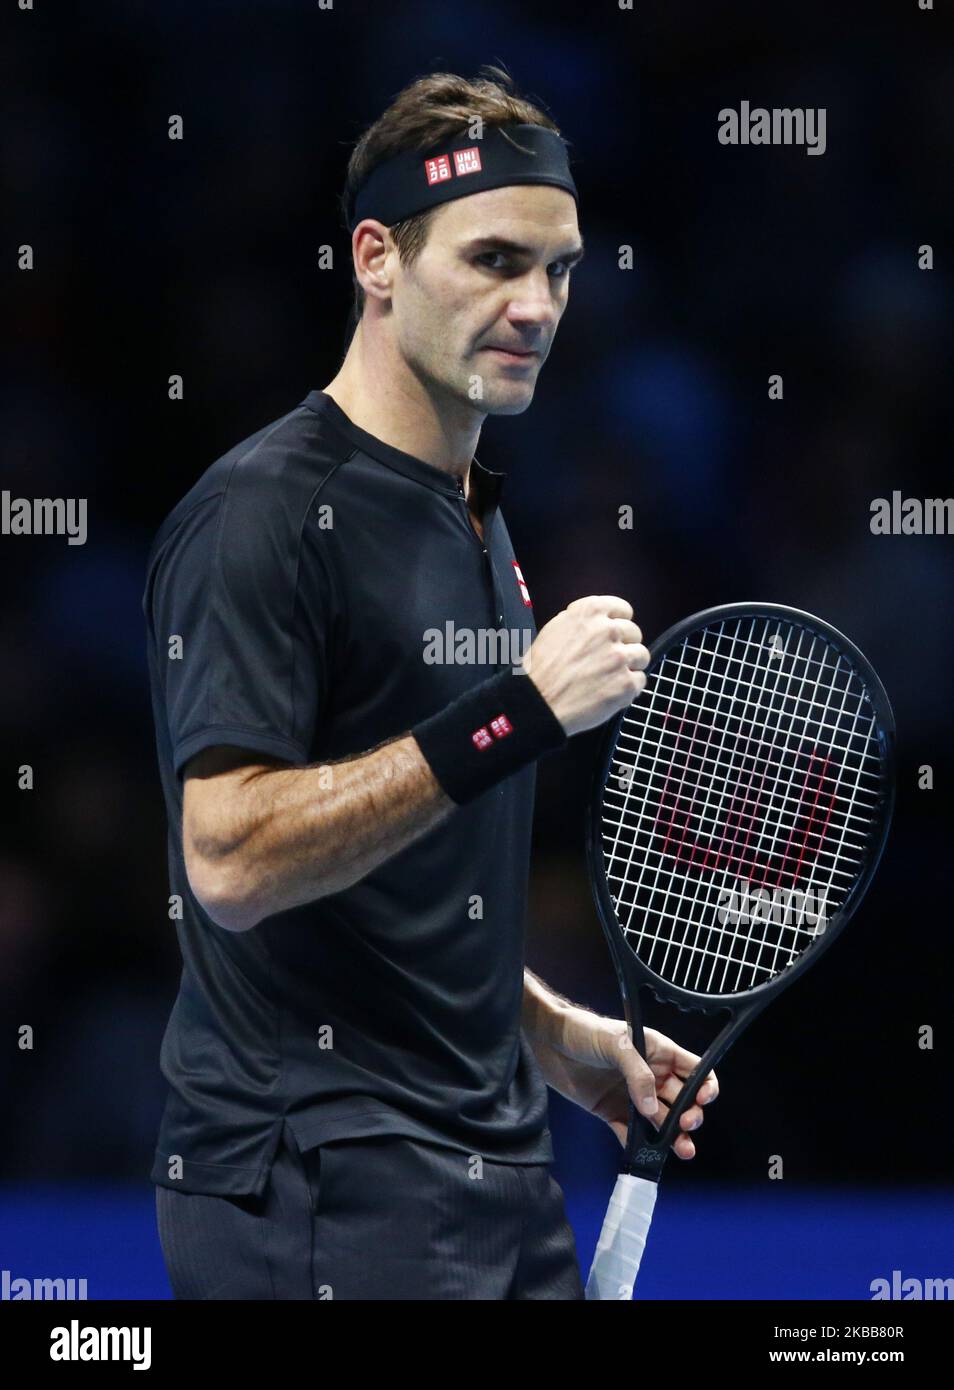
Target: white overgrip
(622, 1241)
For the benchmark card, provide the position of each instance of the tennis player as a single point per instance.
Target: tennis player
(357, 1057)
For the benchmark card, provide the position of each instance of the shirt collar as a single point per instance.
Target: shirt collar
(487, 483)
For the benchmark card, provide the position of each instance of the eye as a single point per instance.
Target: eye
(557, 270)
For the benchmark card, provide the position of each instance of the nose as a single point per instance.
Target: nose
(532, 302)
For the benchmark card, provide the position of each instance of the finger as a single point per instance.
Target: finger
(709, 1090)
(669, 1091)
(685, 1062)
(640, 1082)
(626, 632)
(610, 604)
(616, 607)
(670, 1088)
(663, 1052)
(682, 1146)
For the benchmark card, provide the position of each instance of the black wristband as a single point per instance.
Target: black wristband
(482, 737)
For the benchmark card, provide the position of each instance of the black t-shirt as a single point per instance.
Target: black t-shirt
(293, 602)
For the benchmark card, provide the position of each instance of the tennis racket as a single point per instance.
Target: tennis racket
(740, 809)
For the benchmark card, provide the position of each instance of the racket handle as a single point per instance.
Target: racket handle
(619, 1250)
(646, 1150)
(644, 1156)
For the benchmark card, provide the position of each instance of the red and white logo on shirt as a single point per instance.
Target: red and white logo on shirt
(524, 591)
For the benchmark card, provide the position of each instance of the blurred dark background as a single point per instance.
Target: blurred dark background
(200, 257)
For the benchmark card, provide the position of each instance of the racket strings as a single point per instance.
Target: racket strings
(741, 798)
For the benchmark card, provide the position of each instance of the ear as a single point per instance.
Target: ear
(370, 247)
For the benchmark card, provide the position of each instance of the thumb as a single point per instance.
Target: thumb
(640, 1082)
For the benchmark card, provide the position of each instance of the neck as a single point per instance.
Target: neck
(379, 392)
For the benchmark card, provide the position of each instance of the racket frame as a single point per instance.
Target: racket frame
(647, 1148)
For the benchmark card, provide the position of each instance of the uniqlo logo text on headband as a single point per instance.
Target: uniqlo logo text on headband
(438, 169)
(467, 161)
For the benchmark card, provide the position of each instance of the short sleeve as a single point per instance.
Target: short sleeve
(241, 612)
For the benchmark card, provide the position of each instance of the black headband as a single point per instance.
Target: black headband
(413, 181)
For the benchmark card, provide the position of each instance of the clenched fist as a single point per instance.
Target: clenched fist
(588, 661)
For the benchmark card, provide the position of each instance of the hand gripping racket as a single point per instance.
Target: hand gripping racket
(740, 809)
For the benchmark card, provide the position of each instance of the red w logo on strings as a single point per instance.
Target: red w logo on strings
(749, 788)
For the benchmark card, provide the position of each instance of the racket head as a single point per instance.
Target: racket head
(832, 765)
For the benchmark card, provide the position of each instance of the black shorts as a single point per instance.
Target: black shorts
(375, 1218)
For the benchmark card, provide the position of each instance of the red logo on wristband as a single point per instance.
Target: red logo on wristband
(500, 727)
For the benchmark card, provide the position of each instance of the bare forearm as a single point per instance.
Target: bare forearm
(288, 836)
(546, 1015)
(578, 1052)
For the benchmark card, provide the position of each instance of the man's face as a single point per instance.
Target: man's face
(492, 280)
